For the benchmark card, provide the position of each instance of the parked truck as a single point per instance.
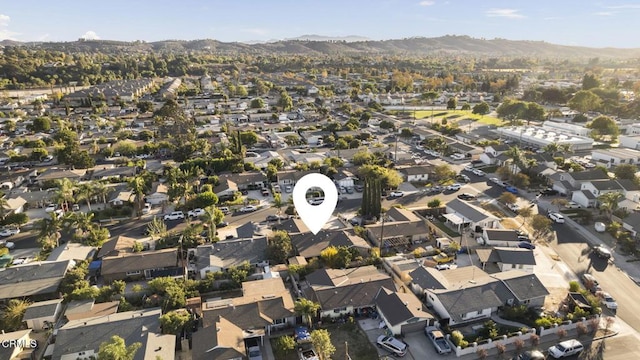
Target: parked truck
(443, 258)
(436, 336)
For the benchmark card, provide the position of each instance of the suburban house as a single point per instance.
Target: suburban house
(615, 156)
(119, 172)
(291, 177)
(265, 306)
(401, 214)
(589, 191)
(225, 189)
(344, 178)
(416, 173)
(461, 214)
(567, 182)
(141, 326)
(141, 265)
(310, 246)
(398, 233)
(631, 192)
(346, 291)
(53, 174)
(632, 223)
(491, 154)
(37, 280)
(71, 251)
(224, 254)
(85, 309)
(630, 141)
(500, 237)
(42, 315)
(402, 313)
(220, 339)
(507, 258)
(23, 349)
(468, 293)
(292, 226)
(159, 194)
(262, 160)
(116, 246)
(254, 180)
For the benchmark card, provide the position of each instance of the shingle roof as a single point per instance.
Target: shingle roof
(144, 260)
(32, 279)
(228, 253)
(471, 212)
(628, 185)
(41, 309)
(292, 226)
(595, 174)
(222, 340)
(310, 245)
(474, 298)
(401, 214)
(399, 307)
(633, 220)
(336, 288)
(523, 285)
(515, 256)
(132, 326)
(607, 185)
(120, 244)
(502, 234)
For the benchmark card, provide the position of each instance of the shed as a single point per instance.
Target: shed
(43, 314)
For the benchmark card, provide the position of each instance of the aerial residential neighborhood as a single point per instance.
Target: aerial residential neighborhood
(488, 207)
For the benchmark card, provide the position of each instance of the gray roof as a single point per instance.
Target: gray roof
(607, 185)
(132, 326)
(398, 229)
(633, 220)
(357, 287)
(399, 307)
(416, 170)
(426, 279)
(245, 231)
(588, 194)
(41, 309)
(476, 298)
(228, 253)
(401, 214)
(292, 226)
(523, 285)
(515, 256)
(595, 174)
(310, 245)
(32, 279)
(502, 234)
(145, 260)
(470, 212)
(628, 185)
(113, 172)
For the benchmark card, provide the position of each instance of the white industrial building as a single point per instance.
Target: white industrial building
(566, 128)
(538, 136)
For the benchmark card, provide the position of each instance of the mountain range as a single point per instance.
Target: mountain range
(449, 45)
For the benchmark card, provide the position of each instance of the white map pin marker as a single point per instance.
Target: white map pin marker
(315, 216)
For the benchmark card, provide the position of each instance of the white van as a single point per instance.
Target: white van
(393, 345)
(566, 348)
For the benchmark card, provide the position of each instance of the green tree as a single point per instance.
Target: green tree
(284, 345)
(626, 171)
(390, 178)
(507, 198)
(406, 133)
(279, 248)
(603, 126)
(174, 321)
(443, 172)
(584, 101)
(371, 204)
(434, 203)
(257, 103)
(145, 106)
(321, 340)
(117, 349)
(41, 124)
(336, 257)
(212, 217)
(249, 138)
(12, 314)
(608, 202)
(481, 109)
(285, 102)
(541, 225)
(49, 229)
(139, 186)
(465, 107)
(307, 309)
(590, 81)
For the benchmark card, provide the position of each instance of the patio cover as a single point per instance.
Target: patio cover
(455, 219)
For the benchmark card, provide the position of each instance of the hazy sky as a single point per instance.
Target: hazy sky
(569, 22)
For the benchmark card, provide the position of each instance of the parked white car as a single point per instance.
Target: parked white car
(249, 208)
(6, 232)
(176, 215)
(566, 348)
(600, 227)
(51, 208)
(454, 187)
(396, 194)
(8, 244)
(195, 213)
(557, 218)
(146, 209)
(514, 207)
(573, 205)
(479, 172)
(608, 301)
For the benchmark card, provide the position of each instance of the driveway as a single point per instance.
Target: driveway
(419, 346)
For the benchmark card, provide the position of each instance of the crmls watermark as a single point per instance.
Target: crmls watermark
(26, 343)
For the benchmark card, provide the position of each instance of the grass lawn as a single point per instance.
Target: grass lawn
(359, 346)
(460, 115)
(292, 355)
(445, 228)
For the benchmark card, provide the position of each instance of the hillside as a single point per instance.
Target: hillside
(445, 45)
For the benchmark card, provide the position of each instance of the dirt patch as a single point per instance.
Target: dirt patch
(555, 297)
(494, 210)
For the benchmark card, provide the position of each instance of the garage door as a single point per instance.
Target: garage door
(413, 327)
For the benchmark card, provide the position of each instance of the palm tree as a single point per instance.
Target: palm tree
(157, 227)
(83, 223)
(609, 202)
(139, 187)
(277, 202)
(552, 149)
(49, 230)
(518, 158)
(64, 194)
(212, 217)
(307, 309)
(13, 312)
(101, 191)
(86, 191)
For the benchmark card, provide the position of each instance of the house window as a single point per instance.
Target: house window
(339, 310)
(131, 273)
(279, 321)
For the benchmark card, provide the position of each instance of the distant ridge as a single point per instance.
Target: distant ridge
(450, 45)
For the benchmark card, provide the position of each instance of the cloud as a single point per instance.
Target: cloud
(5, 33)
(624, 6)
(604, 13)
(90, 35)
(507, 13)
(43, 37)
(426, 3)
